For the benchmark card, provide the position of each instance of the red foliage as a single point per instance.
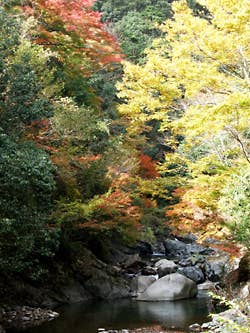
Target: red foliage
(147, 167)
(74, 31)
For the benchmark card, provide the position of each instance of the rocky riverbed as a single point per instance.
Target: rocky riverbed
(117, 271)
(152, 329)
(22, 317)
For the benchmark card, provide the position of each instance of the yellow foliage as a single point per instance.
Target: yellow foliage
(206, 62)
(196, 81)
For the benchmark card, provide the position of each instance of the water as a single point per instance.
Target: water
(88, 317)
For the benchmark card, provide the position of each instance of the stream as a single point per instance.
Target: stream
(120, 314)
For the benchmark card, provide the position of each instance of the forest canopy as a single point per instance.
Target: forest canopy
(121, 123)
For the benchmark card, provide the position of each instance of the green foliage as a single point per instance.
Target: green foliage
(135, 33)
(133, 22)
(115, 10)
(25, 79)
(26, 173)
(235, 204)
(27, 180)
(26, 185)
(80, 125)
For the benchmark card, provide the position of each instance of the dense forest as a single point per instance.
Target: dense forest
(119, 120)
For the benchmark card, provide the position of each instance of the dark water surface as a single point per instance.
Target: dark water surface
(118, 314)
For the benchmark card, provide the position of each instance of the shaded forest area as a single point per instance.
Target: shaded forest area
(121, 125)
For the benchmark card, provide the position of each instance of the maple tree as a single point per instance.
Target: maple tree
(75, 32)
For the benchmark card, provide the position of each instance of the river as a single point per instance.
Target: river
(89, 316)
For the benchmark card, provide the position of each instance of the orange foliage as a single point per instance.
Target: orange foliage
(87, 159)
(115, 212)
(185, 216)
(147, 167)
(227, 246)
(74, 30)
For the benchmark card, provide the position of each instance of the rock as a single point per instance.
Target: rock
(106, 287)
(99, 279)
(144, 249)
(244, 267)
(194, 328)
(229, 318)
(188, 238)
(198, 249)
(169, 288)
(215, 266)
(174, 248)
(193, 273)
(207, 285)
(235, 268)
(23, 317)
(245, 291)
(165, 267)
(130, 260)
(185, 262)
(149, 271)
(141, 283)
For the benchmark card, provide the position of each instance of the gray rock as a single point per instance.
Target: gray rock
(174, 247)
(141, 283)
(245, 291)
(194, 328)
(207, 285)
(185, 262)
(148, 270)
(169, 288)
(130, 260)
(193, 273)
(198, 249)
(188, 238)
(215, 266)
(165, 267)
(224, 320)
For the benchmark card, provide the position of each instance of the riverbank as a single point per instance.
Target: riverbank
(112, 271)
(152, 329)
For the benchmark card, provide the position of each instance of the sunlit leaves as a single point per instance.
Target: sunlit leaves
(75, 32)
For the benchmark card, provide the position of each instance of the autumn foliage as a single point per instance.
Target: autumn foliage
(147, 167)
(75, 32)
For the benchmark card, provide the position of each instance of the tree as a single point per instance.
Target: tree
(26, 173)
(235, 204)
(196, 82)
(74, 31)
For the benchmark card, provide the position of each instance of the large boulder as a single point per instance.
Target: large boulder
(170, 288)
(141, 283)
(165, 267)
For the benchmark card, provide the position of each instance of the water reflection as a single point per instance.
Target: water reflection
(88, 317)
